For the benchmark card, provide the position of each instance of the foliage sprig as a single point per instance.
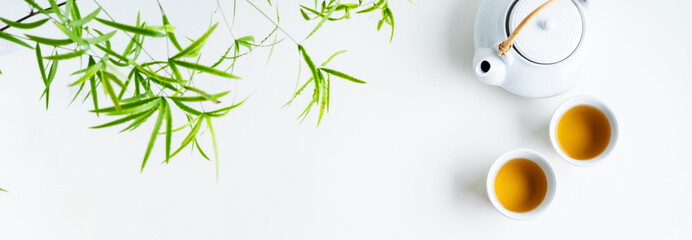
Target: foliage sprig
(158, 87)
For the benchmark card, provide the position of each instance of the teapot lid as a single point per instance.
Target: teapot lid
(552, 36)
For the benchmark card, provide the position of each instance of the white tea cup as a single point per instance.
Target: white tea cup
(566, 106)
(535, 157)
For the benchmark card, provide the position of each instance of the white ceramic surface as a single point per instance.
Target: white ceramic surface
(583, 100)
(539, 159)
(545, 56)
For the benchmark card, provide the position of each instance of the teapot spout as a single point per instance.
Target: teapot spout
(489, 67)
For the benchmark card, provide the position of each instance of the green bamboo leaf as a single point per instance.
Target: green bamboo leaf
(169, 130)
(311, 10)
(342, 75)
(3, 190)
(92, 84)
(56, 9)
(196, 45)
(89, 72)
(223, 111)
(101, 38)
(324, 19)
(171, 35)
(191, 136)
(216, 148)
(76, 15)
(165, 28)
(200, 98)
(187, 108)
(154, 133)
(112, 76)
(127, 106)
(20, 25)
(139, 121)
(311, 65)
(113, 53)
(81, 87)
(13, 39)
(40, 9)
(41, 67)
(137, 109)
(132, 29)
(175, 70)
(68, 55)
(305, 15)
(51, 76)
(331, 57)
(206, 69)
(48, 41)
(203, 94)
(246, 41)
(86, 19)
(69, 33)
(390, 16)
(51, 73)
(109, 89)
(121, 120)
(199, 149)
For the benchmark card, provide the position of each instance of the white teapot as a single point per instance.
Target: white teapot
(542, 60)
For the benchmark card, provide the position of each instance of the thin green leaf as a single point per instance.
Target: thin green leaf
(121, 120)
(13, 39)
(390, 16)
(247, 41)
(324, 19)
(171, 35)
(199, 149)
(3, 190)
(132, 29)
(342, 75)
(305, 15)
(127, 106)
(101, 38)
(196, 45)
(113, 53)
(191, 136)
(311, 65)
(56, 9)
(154, 133)
(223, 111)
(76, 15)
(90, 72)
(69, 33)
(216, 148)
(40, 9)
(109, 89)
(206, 69)
(86, 19)
(92, 84)
(169, 130)
(200, 98)
(20, 25)
(41, 67)
(68, 55)
(187, 108)
(48, 41)
(331, 57)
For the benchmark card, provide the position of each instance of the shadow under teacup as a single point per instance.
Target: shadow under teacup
(521, 184)
(583, 130)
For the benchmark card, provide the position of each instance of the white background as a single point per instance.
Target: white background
(402, 157)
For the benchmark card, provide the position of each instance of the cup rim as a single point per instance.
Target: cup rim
(535, 157)
(571, 103)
